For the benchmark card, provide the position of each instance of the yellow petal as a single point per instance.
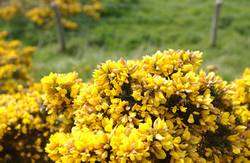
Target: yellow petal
(186, 135)
(191, 118)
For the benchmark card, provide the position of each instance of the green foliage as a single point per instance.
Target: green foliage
(117, 7)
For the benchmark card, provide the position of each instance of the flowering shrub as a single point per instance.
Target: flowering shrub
(241, 97)
(15, 62)
(9, 11)
(22, 129)
(59, 93)
(22, 126)
(25, 124)
(27, 121)
(159, 108)
(41, 13)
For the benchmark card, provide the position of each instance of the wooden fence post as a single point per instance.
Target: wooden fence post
(59, 26)
(215, 20)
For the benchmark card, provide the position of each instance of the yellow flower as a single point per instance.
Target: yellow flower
(191, 118)
(107, 124)
(186, 135)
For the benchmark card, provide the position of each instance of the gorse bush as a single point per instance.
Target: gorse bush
(159, 108)
(15, 62)
(41, 13)
(25, 125)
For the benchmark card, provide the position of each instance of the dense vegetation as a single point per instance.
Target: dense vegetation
(161, 107)
(158, 108)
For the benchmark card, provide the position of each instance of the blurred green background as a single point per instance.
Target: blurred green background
(133, 28)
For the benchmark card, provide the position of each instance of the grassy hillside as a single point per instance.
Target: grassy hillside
(131, 30)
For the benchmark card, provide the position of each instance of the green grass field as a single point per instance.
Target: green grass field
(136, 29)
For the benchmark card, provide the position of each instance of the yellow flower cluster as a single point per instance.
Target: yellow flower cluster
(157, 108)
(59, 92)
(23, 132)
(41, 13)
(8, 12)
(65, 146)
(68, 24)
(93, 9)
(26, 120)
(241, 97)
(15, 62)
(161, 108)
(31, 115)
(22, 127)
